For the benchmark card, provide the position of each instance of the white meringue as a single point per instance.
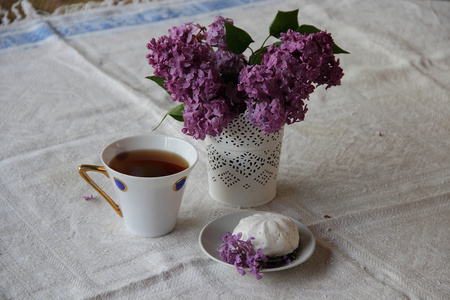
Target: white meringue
(276, 234)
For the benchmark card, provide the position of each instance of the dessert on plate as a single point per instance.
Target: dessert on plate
(274, 233)
(260, 241)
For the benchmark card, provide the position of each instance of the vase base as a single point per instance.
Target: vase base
(241, 201)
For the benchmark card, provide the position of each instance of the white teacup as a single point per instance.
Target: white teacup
(148, 205)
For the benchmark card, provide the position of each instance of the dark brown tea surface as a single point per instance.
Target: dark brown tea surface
(148, 163)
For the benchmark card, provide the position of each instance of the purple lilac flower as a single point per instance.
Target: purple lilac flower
(182, 60)
(206, 118)
(241, 254)
(225, 60)
(200, 71)
(192, 60)
(288, 74)
(215, 37)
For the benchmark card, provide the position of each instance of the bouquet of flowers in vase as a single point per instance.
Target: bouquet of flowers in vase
(206, 71)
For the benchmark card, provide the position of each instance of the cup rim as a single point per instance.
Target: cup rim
(150, 136)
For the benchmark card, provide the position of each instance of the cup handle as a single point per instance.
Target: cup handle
(83, 169)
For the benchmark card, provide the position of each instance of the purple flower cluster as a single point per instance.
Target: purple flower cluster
(216, 85)
(288, 74)
(241, 254)
(192, 59)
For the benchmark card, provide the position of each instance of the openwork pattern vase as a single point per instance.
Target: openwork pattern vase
(243, 164)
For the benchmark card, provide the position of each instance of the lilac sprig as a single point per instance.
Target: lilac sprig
(192, 60)
(241, 254)
(288, 74)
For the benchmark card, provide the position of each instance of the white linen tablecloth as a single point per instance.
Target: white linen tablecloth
(368, 171)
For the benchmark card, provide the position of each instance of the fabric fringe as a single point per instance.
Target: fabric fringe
(23, 9)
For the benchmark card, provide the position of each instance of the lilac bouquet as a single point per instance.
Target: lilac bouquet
(206, 71)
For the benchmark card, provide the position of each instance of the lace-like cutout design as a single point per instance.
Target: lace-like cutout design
(264, 177)
(247, 164)
(274, 158)
(241, 133)
(214, 159)
(228, 178)
(243, 164)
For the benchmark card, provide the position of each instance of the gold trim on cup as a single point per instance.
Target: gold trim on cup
(83, 169)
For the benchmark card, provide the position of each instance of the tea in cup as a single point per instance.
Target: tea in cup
(149, 174)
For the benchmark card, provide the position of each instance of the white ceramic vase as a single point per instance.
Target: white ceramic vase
(243, 164)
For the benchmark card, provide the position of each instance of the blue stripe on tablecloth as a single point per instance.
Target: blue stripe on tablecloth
(104, 22)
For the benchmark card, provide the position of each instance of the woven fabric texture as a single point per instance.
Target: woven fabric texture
(368, 171)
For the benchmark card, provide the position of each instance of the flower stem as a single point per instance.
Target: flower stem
(264, 42)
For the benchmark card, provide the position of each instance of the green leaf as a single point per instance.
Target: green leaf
(308, 29)
(256, 58)
(338, 50)
(176, 113)
(237, 39)
(158, 80)
(284, 20)
(277, 44)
